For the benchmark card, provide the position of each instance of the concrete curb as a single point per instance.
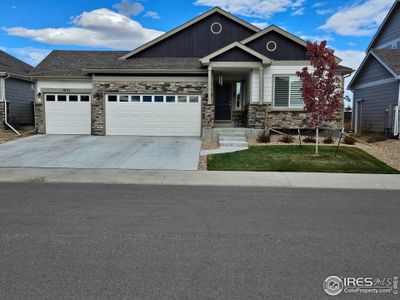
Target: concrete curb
(202, 178)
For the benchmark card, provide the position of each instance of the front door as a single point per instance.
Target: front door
(223, 102)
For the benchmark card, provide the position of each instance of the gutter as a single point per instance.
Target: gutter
(3, 99)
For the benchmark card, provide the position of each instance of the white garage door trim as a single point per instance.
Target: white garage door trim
(153, 115)
(67, 113)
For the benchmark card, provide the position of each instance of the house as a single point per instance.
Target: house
(215, 70)
(17, 92)
(375, 85)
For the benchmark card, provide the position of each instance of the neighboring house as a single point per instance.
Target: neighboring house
(17, 89)
(215, 70)
(375, 85)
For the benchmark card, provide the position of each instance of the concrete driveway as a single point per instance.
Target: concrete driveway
(111, 152)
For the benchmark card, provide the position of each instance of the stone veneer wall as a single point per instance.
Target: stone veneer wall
(208, 114)
(100, 88)
(39, 117)
(2, 114)
(285, 119)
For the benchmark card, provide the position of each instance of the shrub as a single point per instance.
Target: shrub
(264, 137)
(287, 139)
(309, 139)
(328, 140)
(349, 140)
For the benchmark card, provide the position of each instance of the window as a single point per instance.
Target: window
(271, 46)
(51, 98)
(85, 98)
(158, 98)
(135, 98)
(73, 98)
(287, 92)
(123, 98)
(62, 98)
(112, 98)
(182, 99)
(216, 28)
(239, 90)
(147, 98)
(193, 99)
(170, 99)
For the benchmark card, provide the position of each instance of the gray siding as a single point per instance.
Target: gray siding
(376, 100)
(286, 48)
(235, 54)
(391, 30)
(372, 70)
(20, 97)
(197, 40)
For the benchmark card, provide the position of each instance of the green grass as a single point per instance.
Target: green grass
(294, 159)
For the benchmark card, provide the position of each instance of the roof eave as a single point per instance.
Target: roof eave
(143, 71)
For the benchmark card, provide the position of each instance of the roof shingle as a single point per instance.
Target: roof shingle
(12, 65)
(390, 57)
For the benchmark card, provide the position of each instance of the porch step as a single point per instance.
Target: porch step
(239, 138)
(236, 144)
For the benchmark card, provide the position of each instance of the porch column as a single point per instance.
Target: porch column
(261, 84)
(210, 86)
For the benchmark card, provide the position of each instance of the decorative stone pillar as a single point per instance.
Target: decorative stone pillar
(208, 114)
(97, 113)
(39, 117)
(257, 114)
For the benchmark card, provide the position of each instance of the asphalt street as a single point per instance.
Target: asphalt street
(96, 241)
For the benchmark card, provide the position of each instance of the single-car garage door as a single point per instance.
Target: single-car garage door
(153, 115)
(67, 114)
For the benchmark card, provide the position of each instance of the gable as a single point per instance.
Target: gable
(197, 40)
(286, 49)
(371, 70)
(236, 54)
(389, 30)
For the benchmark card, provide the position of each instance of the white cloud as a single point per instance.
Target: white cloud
(260, 25)
(313, 38)
(352, 59)
(253, 8)
(361, 19)
(298, 12)
(323, 12)
(319, 4)
(97, 28)
(129, 8)
(152, 14)
(31, 55)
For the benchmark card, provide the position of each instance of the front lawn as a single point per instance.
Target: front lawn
(294, 159)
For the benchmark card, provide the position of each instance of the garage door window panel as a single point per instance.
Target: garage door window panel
(112, 98)
(50, 98)
(182, 99)
(85, 98)
(147, 98)
(135, 98)
(73, 98)
(170, 99)
(193, 99)
(62, 98)
(123, 98)
(158, 98)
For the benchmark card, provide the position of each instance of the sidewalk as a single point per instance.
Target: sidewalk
(202, 178)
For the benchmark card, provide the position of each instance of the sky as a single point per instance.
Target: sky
(30, 29)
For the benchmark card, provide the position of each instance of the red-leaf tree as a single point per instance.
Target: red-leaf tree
(321, 91)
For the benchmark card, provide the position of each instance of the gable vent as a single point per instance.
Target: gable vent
(216, 28)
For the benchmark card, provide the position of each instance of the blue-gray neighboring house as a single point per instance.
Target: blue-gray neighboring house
(375, 85)
(17, 92)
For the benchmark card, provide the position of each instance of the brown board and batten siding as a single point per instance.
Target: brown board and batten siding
(377, 106)
(286, 48)
(390, 31)
(190, 42)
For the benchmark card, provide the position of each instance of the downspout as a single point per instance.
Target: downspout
(3, 98)
(396, 117)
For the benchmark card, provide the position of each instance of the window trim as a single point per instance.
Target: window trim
(153, 96)
(283, 108)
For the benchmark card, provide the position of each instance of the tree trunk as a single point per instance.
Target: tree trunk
(317, 141)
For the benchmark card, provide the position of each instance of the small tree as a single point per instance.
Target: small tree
(321, 91)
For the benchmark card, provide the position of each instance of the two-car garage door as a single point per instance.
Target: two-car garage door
(126, 114)
(153, 115)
